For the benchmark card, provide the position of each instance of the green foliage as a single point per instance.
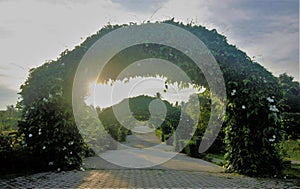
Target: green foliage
(291, 93)
(292, 148)
(139, 106)
(291, 125)
(251, 136)
(14, 155)
(159, 134)
(51, 135)
(6, 147)
(112, 125)
(191, 148)
(252, 109)
(203, 118)
(9, 119)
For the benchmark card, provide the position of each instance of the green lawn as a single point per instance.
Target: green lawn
(292, 148)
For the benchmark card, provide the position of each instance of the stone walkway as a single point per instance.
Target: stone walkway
(179, 172)
(142, 178)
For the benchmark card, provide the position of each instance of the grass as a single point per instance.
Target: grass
(292, 172)
(292, 148)
(215, 158)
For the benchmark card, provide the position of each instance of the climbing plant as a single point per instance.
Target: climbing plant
(252, 124)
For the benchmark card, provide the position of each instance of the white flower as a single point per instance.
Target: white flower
(51, 163)
(66, 157)
(274, 136)
(71, 143)
(273, 108)
(71, 152)
(30, 135)
(82, 169)
(40, 131)
(243, 107)
(58, 169)
(271, 139)
(270, 99)
(45, 100)
(233, 92)
(50, 95)
(44, 147)
(64, 148)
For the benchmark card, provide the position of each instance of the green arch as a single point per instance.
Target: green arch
(249, 120)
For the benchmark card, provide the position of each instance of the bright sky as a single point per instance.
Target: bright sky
(33, 31)
(107, 95)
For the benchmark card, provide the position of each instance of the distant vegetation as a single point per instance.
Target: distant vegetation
(9, 119)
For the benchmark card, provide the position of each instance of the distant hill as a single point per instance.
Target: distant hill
(138, 106)
(139, 112)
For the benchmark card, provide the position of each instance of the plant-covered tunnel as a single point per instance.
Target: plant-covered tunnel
(252, 112)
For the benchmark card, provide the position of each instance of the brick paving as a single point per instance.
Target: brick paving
(179, 172)
(142, 178)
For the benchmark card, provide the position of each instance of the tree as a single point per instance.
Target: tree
(291, 92)
(9, 118)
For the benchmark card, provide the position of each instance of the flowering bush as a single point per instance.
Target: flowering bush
(253, 129)
(50, 134)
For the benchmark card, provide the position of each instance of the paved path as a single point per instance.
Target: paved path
(180, 172)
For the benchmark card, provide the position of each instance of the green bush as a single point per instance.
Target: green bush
(112, 125)
(192, 148)
(15, 157)
(204, 100)
(291, 124)
(122, 134)
(51, 135)
(6, 148)
(252, 137)
(158, 133)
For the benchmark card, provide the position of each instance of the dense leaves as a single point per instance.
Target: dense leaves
(291, 93)
(9, 119)
(204, 115)
(50, 134)
(252, 119)
(291, 125)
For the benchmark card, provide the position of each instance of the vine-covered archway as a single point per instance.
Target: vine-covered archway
(252, 121)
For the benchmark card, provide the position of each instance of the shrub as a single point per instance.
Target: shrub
(51, 135)
(15, 157)
(252, 136)
(291, 124)
(112, 125)
(192, 147)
